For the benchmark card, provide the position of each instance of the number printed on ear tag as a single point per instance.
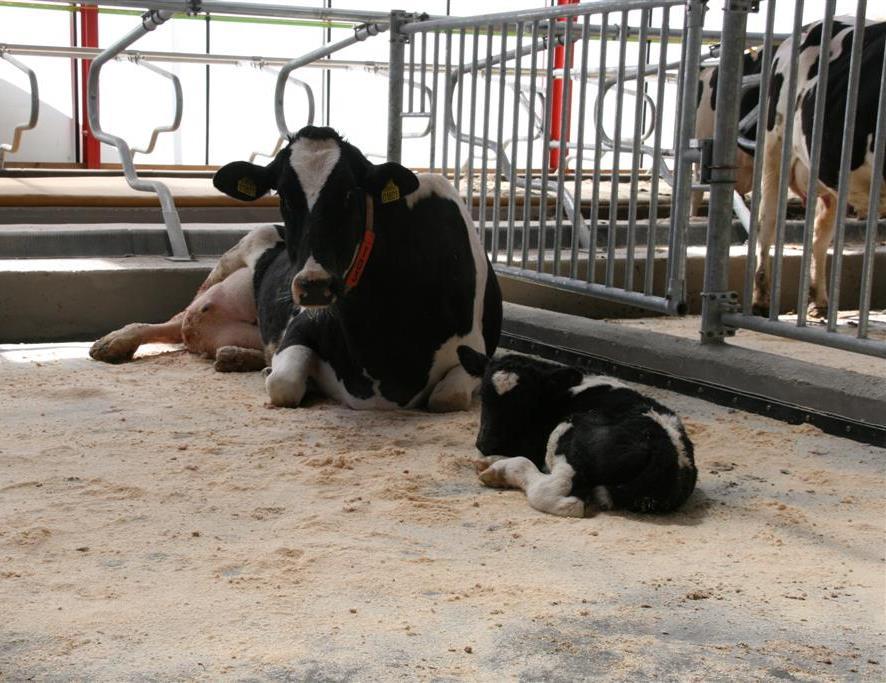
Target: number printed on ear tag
(390, 193)
(246, 186)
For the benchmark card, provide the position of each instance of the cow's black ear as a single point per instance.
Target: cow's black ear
(472, 361)
(242, 180)
(390, 181)
(561, 379)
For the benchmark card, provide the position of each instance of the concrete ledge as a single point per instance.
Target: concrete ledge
(850, 395)
(82, 299)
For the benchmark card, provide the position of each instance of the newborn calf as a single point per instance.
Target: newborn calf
(570, 439)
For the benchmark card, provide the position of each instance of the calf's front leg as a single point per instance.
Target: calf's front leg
(545, 492)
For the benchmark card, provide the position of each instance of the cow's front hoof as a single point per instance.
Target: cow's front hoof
(569, 506)
(238, 359)
(117, 347)
(284, 392)
(450, 401)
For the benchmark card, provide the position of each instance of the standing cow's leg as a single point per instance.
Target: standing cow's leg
(825, 215)
(291, 368)
(545, 492)
(766, 229)
(453, 392)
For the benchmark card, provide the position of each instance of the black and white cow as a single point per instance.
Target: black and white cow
(570, 439)
(859, 179)
(705, 116)
(376, 279)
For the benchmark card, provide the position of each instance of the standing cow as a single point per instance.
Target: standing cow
(705, 116)
(376, 279)
(859, 179)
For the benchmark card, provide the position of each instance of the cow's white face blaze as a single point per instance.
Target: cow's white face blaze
(326, 188)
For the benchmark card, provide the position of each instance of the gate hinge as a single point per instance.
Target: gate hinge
(725, 302)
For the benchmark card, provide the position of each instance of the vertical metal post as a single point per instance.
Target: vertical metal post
(92, 149)
(395, 85)
(716, 277)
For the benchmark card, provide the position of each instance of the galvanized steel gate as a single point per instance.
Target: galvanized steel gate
(499, 89)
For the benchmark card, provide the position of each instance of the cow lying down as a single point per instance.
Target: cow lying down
(571, 440)
(366, 292)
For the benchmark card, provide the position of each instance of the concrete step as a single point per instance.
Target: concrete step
(52, 299)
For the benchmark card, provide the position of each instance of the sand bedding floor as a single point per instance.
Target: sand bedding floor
(158, 521)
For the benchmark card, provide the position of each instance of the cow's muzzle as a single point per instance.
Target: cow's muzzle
(308, 291)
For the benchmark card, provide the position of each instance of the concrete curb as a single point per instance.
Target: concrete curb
(846, 394)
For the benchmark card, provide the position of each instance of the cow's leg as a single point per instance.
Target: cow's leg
(239, 359)
(766, 229)
(243, 254)
(825, 215)
(453, 392)
(291, 368)
(545, 492)
(120, 345)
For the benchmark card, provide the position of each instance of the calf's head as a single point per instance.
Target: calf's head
(522, 399)
(328, 191)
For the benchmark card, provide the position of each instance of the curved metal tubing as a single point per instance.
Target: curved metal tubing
(177, 117)
(12, 148)
(150, 21)
(360, 33)
(280, 140)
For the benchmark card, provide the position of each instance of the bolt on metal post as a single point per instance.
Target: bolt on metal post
(715, 297)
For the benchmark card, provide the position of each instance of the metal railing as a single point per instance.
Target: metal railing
(34, 111)
(492, 78)
(763, 305)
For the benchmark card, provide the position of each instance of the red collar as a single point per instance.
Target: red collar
(363, 251)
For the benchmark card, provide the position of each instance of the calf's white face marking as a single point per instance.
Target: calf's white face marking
(313, 161)
(504, 381)
(671, 425)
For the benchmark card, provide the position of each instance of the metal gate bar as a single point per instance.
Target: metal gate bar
(551, 200)
(722, 314)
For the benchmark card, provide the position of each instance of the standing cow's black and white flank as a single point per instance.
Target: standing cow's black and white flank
(705, 116)
(376, 279)
(570, 440)
(828, 174)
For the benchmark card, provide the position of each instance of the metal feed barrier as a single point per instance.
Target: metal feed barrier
(498, 96)
(722, 313)
(536, 225)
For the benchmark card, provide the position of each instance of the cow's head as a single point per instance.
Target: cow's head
(522, 398)
(328, 191)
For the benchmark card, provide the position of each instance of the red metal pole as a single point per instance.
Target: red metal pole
(557, 95)
(88, 38)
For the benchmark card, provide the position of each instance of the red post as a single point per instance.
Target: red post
(92, 153)
(557, 95)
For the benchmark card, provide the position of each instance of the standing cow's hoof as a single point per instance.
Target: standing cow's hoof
(118, 346)
(238, 359)
(760, 309)
(817, 312)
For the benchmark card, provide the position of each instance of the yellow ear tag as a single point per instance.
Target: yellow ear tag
(390, 192)
(246, 186)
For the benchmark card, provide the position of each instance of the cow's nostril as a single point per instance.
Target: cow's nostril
(313, 292)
